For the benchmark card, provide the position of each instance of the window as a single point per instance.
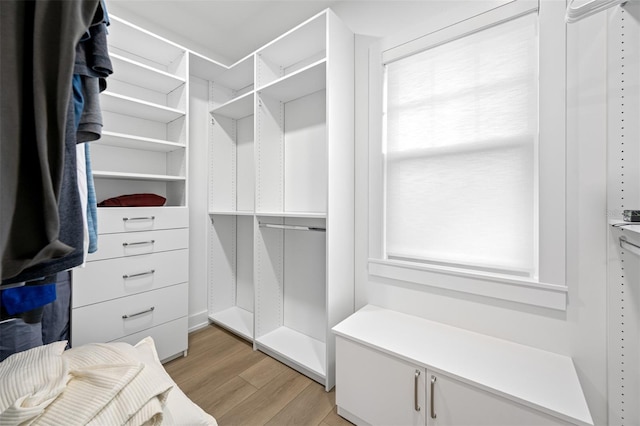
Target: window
(471, 173)
(460, 151)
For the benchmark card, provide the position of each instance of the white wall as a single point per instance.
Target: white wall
(580, 331)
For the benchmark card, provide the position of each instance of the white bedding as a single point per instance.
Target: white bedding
(94, 384)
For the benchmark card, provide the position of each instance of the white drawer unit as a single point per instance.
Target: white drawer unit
(128, 315)
(115, 278)
(132, 219)
(136, 284)
(145, 242)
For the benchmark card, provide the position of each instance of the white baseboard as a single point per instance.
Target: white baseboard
(198, 320)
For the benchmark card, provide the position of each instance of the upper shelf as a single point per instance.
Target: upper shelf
(237, 108)
(629, 226)
(126, 105)
(303, 82)
(143, 75)
(141, 43)
(122, 140)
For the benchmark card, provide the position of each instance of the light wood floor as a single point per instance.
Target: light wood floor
(240, 386)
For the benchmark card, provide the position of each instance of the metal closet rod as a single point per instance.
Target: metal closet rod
(292, 227)
(623, 241)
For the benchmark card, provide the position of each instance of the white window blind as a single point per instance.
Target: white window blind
(461, 129)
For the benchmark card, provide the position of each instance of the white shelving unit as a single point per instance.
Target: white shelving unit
(281, 154)
(144, 147)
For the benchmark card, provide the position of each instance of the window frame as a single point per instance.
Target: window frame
(548, 289)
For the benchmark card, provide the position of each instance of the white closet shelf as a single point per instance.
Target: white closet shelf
(142, 75)
(629, 226)
(236, 320)
(122, 140)
(231, 213)
(237, 108)
(309, 215)
(126, 105)
(305, 81)
(147, 45)
(296, 347)
(299, 43)
(136, 176)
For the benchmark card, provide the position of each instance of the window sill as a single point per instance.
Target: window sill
(497, 286)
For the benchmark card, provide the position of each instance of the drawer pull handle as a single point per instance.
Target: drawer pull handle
(416, 378)
(125, 316)
(433, 391)
(125, 276)
(139, 218)
(138, 243)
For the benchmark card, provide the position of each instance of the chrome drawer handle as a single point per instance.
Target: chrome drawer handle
(416, 377)
(139, 218)
(138, 243)
(433, 390)
(139, 313)
(125, 276)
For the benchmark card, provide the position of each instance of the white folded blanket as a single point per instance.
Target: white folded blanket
(94, 384)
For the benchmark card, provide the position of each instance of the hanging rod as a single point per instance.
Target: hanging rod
(624, 241)
(292, 227)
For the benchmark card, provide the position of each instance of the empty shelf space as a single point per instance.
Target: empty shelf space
(126, 105)
(629, 226)
(235, 319)
(298, 84)
(145, 76)
(230, 213)
(141, 43)
(122, 140)
(136, 176)
(297, 348)
(310, 215)
(237, 108)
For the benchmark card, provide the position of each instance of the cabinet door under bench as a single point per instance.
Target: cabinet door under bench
(394, 368)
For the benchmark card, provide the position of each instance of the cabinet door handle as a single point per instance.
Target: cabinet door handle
(416, 379)
(138, 243)
(125, 316)
(125, 276)
(433, 391)
(138, 218)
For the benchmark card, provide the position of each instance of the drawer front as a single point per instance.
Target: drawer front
(112, 278)
(134, 243)
(133, 219)
(114, 319)
(170, 338)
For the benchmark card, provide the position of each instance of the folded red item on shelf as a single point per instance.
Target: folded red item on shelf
(134, 200)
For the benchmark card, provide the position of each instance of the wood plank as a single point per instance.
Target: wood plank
(225, 397)
(260, 407)
(263, 372)
(333, 419)
(310, 407)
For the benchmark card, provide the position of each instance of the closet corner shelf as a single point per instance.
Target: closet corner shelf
(122, 140)
(237, 108)
(296, 347)
(308, 215)
(230, 213)
(236, 320)
(126, 105)
(136, 176)
(629, 226)
(303, 82)
(145, 76)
